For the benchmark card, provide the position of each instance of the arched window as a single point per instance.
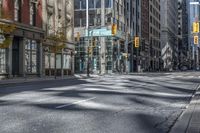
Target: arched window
(33, 12)
(17, 10)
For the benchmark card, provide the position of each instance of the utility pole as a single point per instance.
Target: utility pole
(137, 49)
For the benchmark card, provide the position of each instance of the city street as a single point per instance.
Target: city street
(135, 103)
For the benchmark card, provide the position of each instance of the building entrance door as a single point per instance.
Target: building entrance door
(15, 57)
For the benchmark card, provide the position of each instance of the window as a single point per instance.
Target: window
(77, 4)
(83, 4)
(2, 61)
(33, 13)
(50, 24)
(17, 10)
(31, 56)
(98, 3)
(91, 4)
(0, 8)
(108, 4)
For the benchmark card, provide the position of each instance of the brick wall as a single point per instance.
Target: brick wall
(8, 8)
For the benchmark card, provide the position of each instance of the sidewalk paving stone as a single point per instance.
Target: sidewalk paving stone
(189, 121)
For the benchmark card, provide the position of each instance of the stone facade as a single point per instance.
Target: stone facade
(169, 35)
(58, 16)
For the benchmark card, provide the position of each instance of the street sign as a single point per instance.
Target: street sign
(195, 27)
(2, 38)
(137, 42)
(196, 40)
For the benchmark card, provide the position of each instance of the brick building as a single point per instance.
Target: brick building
(23, 56)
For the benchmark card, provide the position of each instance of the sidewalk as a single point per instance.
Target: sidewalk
(45, 78)
(31, 79)
(189, 121)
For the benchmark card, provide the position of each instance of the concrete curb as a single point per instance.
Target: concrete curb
(29, 80)
(189, 120)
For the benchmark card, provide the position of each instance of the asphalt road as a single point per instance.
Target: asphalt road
(137, 103)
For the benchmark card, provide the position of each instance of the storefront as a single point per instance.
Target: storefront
(63, 64)
(31, 57)
(2, 61)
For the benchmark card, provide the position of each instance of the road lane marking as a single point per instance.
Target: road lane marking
(74, 103)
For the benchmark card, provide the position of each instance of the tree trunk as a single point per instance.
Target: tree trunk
(55, 67)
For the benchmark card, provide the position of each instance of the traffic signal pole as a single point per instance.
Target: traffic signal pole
(87, 29)
(137, 49)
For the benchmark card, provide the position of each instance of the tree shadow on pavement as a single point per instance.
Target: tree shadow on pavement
(38, 86)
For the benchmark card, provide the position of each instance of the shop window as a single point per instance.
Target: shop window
(83, 4)
(2, 61)
(91, 4)
(31, 57)
(67, 61)
(77, 4)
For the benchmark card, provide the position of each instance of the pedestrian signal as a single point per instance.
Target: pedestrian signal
(196, 40)
(137, 42)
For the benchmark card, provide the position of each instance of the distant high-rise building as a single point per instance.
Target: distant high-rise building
(183, 45)
(193, 16)
(105, 51)
(154, 34)
(145, 46)
(169, 34)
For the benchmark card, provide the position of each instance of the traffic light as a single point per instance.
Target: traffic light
(195, 27)
(90, 51)
(94, 42)
(137, 42)
(196, 40)
(114, 29)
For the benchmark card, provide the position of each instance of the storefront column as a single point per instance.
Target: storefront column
(10, 59)
(41, 60)
(62, 71)
(22, 68)
(73, 62)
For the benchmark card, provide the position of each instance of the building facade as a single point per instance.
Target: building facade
(154, 35)
(30, 47)
(58, 44)
(110, 53)
(183, 45)
(138, 18)
(145, 45)
(169, 34)
(23, 55)
(193, 16)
